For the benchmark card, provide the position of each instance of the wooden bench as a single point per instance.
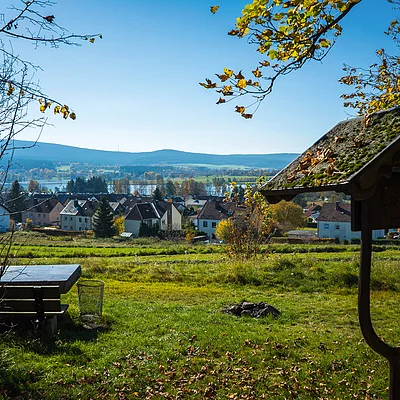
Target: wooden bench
(39, 304)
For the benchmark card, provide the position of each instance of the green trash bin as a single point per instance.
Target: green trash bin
(90, 298)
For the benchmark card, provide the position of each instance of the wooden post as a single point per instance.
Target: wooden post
(392, 354)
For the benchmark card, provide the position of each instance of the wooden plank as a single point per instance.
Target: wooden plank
(28, 292)
(47, 314)
(29, 305)
(32, 314)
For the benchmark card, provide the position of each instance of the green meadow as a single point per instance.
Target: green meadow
(164, 335)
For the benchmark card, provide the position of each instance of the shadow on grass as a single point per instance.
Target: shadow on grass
(70, 330)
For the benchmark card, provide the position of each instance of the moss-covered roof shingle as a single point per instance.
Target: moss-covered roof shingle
(346, 151)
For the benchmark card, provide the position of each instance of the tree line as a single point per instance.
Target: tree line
(95, 184)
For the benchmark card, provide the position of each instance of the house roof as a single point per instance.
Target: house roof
(313, 210)
(195, 203)
(217, 210)
(116, 206)
(350, 158)
(143, 211)
(335, 212)
(83, 208)
(163, 206)
(44, 206)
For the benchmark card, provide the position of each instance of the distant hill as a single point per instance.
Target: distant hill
(44, 153)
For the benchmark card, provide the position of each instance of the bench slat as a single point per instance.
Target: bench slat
(29, 305)
(11, 313)
(28, 292)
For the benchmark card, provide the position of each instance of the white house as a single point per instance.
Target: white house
(145, 213)
(335, 222)
(4, 219)
(77, 215)
(165, 215)
(212, 214)
(171, 218)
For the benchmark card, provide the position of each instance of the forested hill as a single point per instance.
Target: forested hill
(48, 152)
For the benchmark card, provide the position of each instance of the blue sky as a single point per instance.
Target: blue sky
(137, 88)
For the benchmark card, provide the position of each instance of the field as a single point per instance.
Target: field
(163, 334)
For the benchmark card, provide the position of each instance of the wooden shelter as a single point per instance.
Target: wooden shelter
(360, 157)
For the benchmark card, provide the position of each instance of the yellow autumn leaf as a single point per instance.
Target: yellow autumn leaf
(240, 109)
(265, 63)
(223, 77)
(241, 83)
(65, 111)
(214, 9)
(10, 90)
(72, 116)
(57, 109)
(324, 42)
(91, 40)
(257, 73)
(42, 108)
(228, 72)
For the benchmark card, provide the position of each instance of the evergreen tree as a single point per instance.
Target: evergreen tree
(96, 184)
(170, 189)
(70, 186)
(103, 220)
(80, 185)
(16, 201)
(157, 195)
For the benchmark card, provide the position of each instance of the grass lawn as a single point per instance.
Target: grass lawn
(163, 334)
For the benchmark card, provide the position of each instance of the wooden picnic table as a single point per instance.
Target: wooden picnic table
(64, 276)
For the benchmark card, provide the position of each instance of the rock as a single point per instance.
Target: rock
(246, 305)
(255, 310)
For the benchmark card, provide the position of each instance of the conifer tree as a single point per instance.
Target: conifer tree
(157, 194)
(16, 201)
(103, 220)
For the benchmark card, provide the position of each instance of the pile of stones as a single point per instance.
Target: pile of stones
(255, 310)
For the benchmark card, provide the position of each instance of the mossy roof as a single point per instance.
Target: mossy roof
(342, 156)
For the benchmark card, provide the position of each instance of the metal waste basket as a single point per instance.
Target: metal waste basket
(90, 297)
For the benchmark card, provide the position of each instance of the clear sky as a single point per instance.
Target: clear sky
(138, 88)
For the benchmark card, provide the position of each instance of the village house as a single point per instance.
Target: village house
(162, 214)
(4, 219)
(191, 203)
(335, 222)
(171, 218)
(77, 215)
(212, 214)
(311, 214)
(44, 212)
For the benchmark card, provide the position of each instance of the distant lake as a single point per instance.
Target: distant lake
(145, 189)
